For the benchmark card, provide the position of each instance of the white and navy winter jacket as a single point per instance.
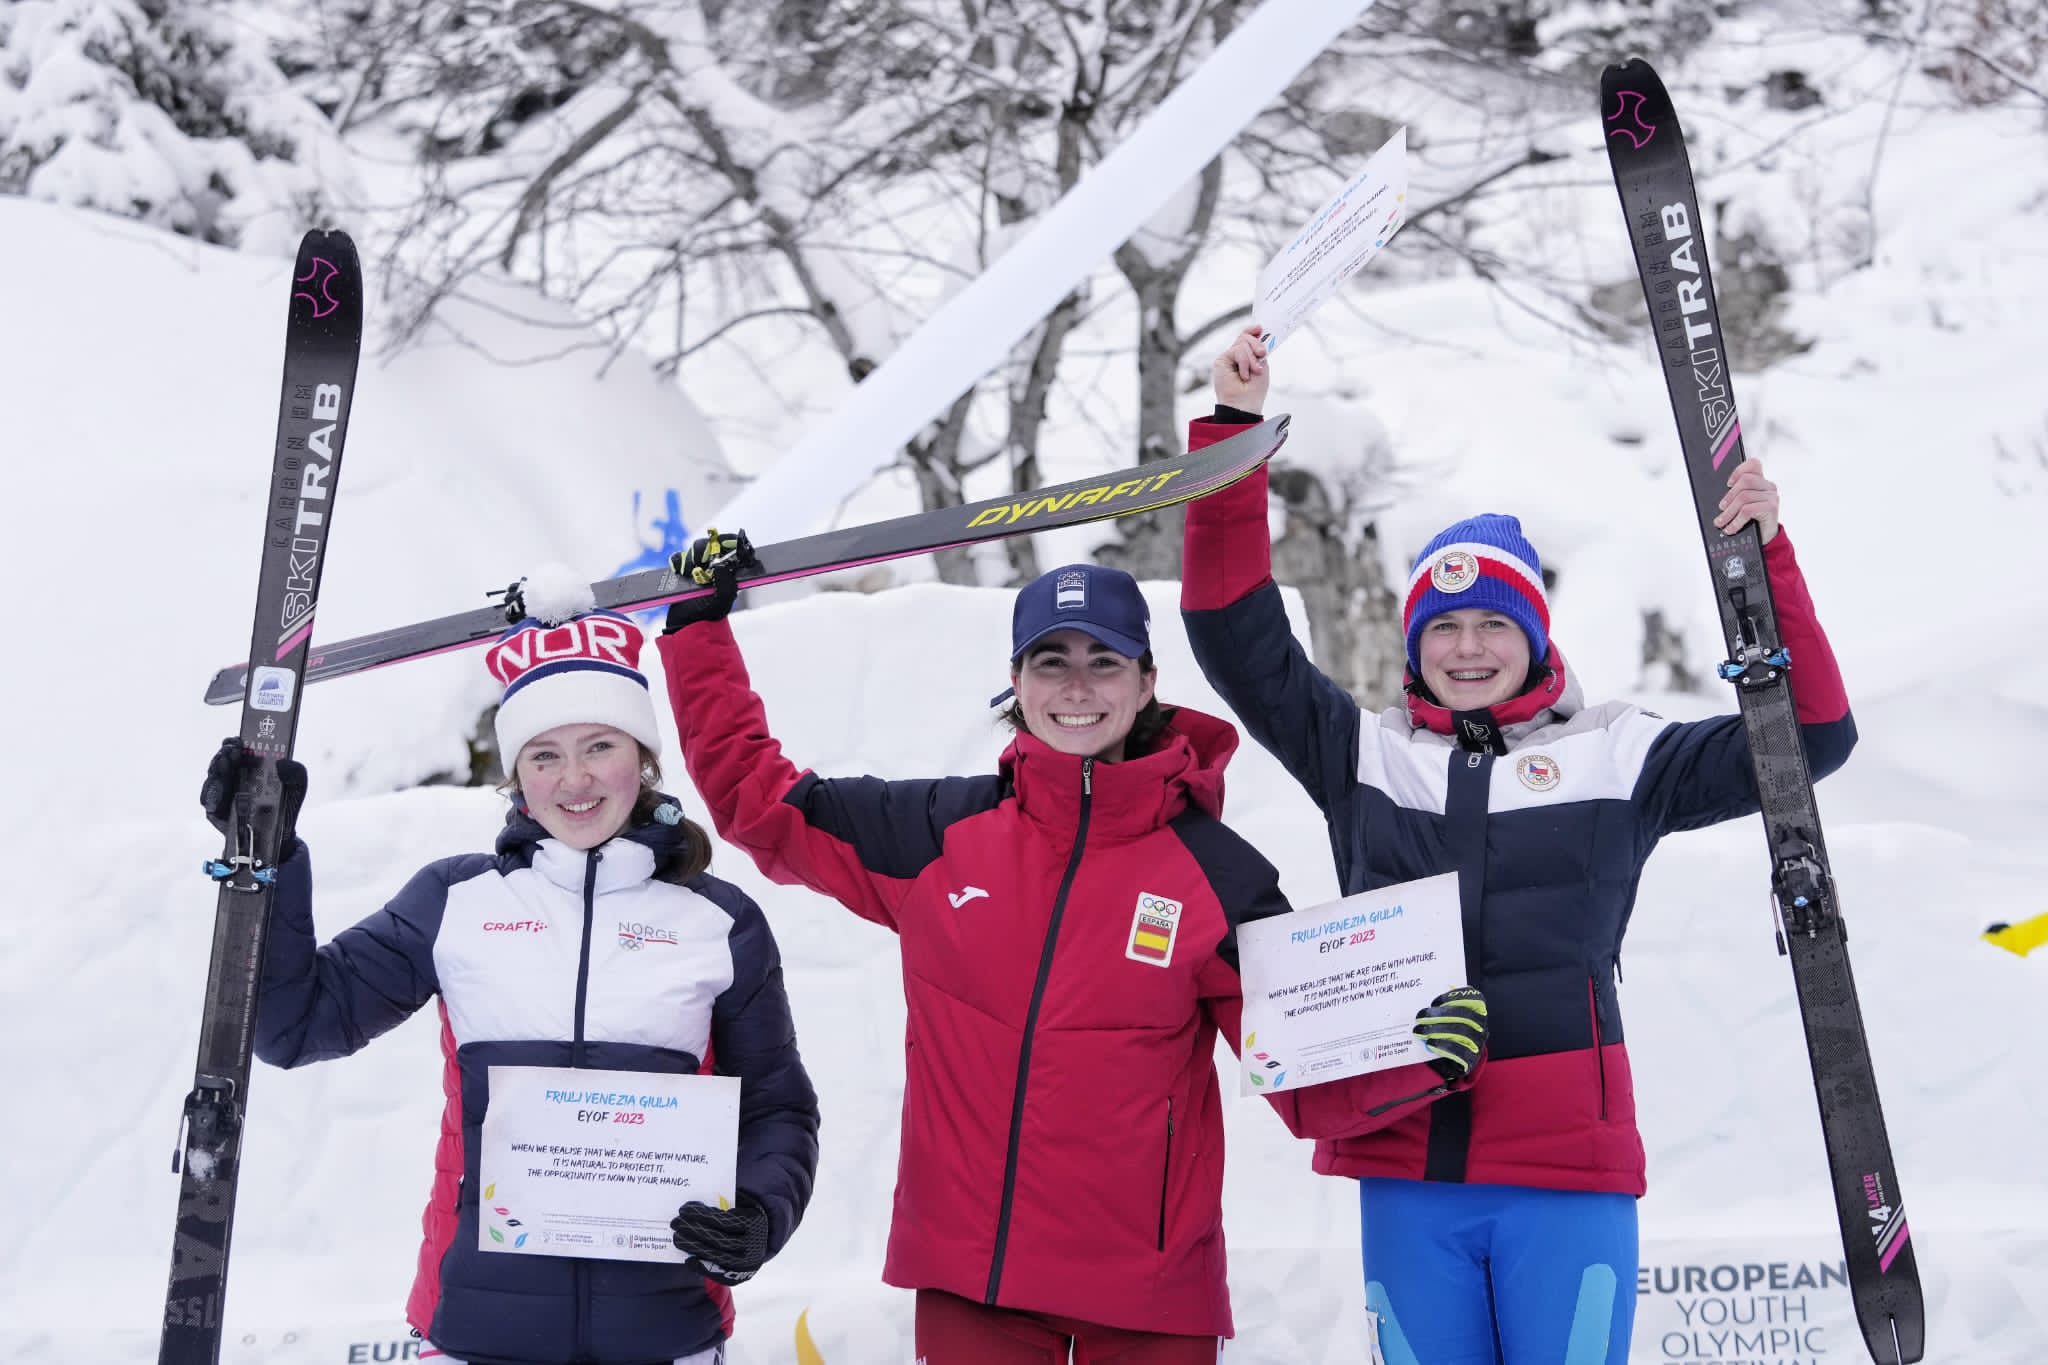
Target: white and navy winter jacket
(541, 956)
(1548, 842)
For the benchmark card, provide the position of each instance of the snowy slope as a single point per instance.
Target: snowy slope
(137, 392)
(338, 1159)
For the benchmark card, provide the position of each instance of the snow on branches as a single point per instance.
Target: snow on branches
(167, 111)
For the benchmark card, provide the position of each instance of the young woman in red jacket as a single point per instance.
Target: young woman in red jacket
(1068, 929)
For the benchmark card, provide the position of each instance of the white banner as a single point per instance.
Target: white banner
(975, 329)
(1749, 1299)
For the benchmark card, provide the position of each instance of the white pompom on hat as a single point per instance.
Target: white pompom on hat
(581, 671)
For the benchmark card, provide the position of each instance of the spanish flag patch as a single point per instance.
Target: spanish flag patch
(1154, 926)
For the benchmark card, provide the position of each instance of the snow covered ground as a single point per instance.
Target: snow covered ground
(137, 391)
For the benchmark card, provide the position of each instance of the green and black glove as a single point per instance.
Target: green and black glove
(726, 1245)
(714, 560)
(1453, 1026)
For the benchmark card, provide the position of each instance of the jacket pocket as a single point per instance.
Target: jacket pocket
(1599, 1048)
(1165, 1172)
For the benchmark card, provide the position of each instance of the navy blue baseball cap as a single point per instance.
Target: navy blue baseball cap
(1102, 603)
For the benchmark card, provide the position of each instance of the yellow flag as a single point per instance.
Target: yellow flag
(2021, 938)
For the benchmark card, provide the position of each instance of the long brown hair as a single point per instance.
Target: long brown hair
(695, 854)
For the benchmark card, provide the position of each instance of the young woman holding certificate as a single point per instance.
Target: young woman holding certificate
(593, 944)
(1068, 934)
(1499, 1225)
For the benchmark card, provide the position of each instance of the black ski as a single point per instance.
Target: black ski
(322, 340)
(1164, 483)
(1654, 177)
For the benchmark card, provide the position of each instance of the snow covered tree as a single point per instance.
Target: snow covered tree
(168, 111)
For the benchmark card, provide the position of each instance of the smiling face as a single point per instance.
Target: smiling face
(1079, 695)
(580, 782)
(1473, 658)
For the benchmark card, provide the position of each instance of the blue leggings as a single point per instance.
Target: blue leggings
(1498, 1274)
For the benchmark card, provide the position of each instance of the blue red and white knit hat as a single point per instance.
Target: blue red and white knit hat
(1483, 562)
(581, 671)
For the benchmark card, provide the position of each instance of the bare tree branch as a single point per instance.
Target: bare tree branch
(535, 198)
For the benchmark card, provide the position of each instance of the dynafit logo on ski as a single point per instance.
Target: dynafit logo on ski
(1695, 300)
(1010, 513)
(308, 522)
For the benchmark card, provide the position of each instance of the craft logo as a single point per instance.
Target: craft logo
(270, 689)
(1455, 571)
(1537, 771)
(514, 926)
(633, 936)
(1070, 591)
(1154, 926)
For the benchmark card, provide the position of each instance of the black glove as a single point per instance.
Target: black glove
(1453, 1026)
(726, 1245)
(713, 560)
(224, 774)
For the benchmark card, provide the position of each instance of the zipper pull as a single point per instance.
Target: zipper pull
(1432, 1093)
(1087, 777)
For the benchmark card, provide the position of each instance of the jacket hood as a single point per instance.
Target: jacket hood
(1135, 796)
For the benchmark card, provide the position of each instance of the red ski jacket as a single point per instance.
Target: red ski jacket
(1069, 955)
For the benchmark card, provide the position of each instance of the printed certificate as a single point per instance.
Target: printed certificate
(1335, 244)
(1332, 992)
(596, 1163)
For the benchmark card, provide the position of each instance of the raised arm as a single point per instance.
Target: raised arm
(1234, 616)
(326, 1002)
(861, 841)
(1700, 773)
(315, 1003)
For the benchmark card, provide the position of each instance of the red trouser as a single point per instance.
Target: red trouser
(956, 1331)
